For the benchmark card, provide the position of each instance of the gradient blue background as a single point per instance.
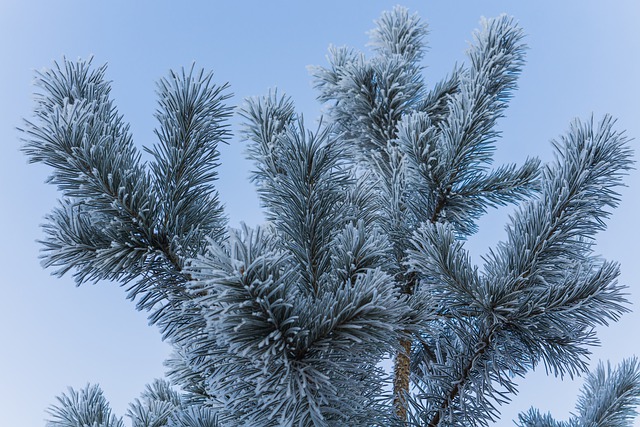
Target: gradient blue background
(584, 57)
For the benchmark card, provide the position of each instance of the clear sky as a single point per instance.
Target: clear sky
(584, 57)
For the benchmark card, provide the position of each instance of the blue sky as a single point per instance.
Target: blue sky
(584, 58)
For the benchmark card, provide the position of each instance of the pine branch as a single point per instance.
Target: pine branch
(459, 384)
(456, 288)
(302, 184)
(95, 164)
(545, 299)
(371, 96)
(465, 141)
(308, 356)
(549, 235)
(609, 397)
(399, 33)
(267, 118)
(116, 222)
(88, 407)
(192, 119)
(533, 418)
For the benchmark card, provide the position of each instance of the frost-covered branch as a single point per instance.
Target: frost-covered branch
(192, 117)
(116, 222)
(542, 292)
(158, 406)
(609, 398)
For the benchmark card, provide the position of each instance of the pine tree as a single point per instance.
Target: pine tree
(362, 257)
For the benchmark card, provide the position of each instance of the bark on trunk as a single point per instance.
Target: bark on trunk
(401, 379)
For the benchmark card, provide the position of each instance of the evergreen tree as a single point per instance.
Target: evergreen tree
(362, 257)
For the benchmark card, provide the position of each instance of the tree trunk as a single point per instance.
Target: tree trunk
(401, 379)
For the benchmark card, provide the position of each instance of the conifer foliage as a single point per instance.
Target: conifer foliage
(362, 257)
